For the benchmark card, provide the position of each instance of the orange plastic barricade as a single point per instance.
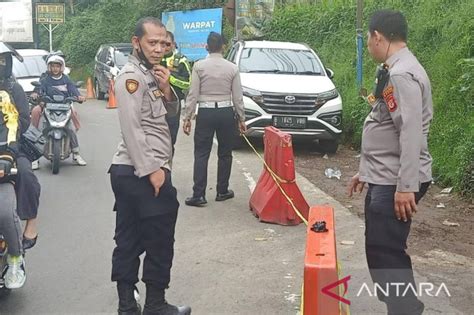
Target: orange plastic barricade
(321, 289)
(112, 102)
(268, 202)
(90, 89)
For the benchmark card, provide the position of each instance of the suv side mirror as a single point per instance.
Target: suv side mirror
(79, 84)
(330, 73)
(109, 63)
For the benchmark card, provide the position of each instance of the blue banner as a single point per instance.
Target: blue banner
(191, 28)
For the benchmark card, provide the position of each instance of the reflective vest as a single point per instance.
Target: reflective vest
(172, 63)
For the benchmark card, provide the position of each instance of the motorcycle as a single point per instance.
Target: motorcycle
(7, 200)
(57, 114)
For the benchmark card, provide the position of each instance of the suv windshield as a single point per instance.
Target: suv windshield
(121, 56)
(271, 60)
(32, 66)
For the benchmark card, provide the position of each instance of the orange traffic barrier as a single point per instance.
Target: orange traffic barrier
(322, 292)
(268, 202)
(112, 102)
(90, 88)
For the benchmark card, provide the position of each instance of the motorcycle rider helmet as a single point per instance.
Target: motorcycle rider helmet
(6, 60)
(56, 59)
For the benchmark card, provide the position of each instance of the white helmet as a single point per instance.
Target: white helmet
(56, 59)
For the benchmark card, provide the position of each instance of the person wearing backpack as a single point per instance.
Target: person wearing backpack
(15, 114)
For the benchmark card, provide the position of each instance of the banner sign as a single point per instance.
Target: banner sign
(191, 28)
(50, 13)
(16, 22)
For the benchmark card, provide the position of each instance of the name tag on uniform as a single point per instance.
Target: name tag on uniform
(155, 94)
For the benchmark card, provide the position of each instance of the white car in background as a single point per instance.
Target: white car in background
(286, 85)
(30, 69)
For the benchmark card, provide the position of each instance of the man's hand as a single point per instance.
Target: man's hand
(405, 205)
(242, 127)
(355, 185)
(157, 179)
(187, 126)
(162, 74)
(81, 98)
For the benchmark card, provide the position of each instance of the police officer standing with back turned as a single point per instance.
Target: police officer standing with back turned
(145, 199)
(216, 92)
(395, 161)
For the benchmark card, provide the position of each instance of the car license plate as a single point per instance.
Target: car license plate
(289, 122)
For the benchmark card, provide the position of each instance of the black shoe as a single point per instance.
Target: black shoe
(128, 305)
(168, 309)
(195, 201)
(29, 242)
(228, 195)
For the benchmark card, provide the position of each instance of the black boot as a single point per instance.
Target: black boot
(156, 304)
(127, 303)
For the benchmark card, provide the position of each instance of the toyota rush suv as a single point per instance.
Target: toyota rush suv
(285, 85)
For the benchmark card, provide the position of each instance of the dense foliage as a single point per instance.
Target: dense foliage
(440, 35)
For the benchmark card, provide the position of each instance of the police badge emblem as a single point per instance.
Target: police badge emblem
(389, 99)
(131, 85)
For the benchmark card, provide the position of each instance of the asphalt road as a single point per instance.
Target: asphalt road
(226, 261)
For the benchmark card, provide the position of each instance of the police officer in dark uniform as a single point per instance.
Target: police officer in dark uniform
(395, 161)
(27, 186)
(180, 77)
(216, 93)
(145, 199)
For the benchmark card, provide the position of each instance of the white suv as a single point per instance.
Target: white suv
(285, 85)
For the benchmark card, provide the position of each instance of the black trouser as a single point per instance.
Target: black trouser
(173, 124)
(144, 223)
(209, 121)
(385, 245)
(27, 189)
(173, 121)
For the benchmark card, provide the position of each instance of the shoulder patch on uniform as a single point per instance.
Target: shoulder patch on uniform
(131, 85)
(389, 99)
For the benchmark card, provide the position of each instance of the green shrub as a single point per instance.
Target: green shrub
(440, 35)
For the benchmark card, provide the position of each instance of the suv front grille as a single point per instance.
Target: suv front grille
(304, 104)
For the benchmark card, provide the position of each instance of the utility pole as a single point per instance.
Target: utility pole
(360, 42)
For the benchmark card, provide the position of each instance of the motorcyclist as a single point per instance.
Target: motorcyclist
(57, 83)
(26, 186)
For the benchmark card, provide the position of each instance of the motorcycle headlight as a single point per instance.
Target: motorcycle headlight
(255, 95)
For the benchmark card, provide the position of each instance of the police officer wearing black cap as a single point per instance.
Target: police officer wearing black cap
(216, 92)
(145, 199)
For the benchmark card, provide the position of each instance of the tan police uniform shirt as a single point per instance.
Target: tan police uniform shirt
(146, 140)
(395, 134)
(215, 79)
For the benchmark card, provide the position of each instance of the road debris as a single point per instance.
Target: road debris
(446, 191)
(330, 173)
(448, 223)
(347, 242)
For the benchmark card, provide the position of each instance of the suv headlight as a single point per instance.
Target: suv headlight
(326, 96)
(255, 95)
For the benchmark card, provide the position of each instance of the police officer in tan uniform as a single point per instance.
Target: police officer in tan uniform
(395, 161)
(145, 199)
(216, 94)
